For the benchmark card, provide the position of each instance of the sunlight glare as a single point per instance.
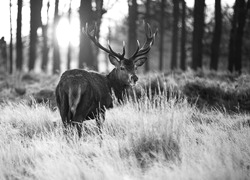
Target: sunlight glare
(67, 32)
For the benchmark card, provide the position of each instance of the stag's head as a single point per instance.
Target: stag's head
(126, 67)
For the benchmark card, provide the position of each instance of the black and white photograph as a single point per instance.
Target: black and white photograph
(124, 89)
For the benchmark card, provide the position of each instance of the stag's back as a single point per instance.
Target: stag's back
(84, 89)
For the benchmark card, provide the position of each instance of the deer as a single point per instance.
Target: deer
(83, 95)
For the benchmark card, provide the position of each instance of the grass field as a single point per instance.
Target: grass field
(197, 127)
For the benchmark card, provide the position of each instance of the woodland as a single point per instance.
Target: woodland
(187, 117)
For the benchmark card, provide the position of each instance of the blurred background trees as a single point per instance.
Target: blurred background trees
(35, 23)
(198, 31)
(19, 43)
(215, 45)
(56, 51)
(194, 34)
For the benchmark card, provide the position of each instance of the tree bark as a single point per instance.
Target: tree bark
(45, 51)
(99, 12)
(175, 34)
(86, 55)
(11, 42)
(19, 44)
(35, 23)
(199, 16)
(183, 36)
(232, 39)
(162, 26)
(240, 33)
(147, 17)
(215, 45)
(56, 51)
(132, 27)
(236, 35)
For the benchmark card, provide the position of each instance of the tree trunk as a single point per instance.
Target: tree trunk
(35, 22)
(147, 17)
(232, 39)
(199, 16)
(45, 51)
(56, 51)
(162, 35)
(132, 19)
(215, 46)
(99, 12)
(86, 55)
(11, 43)
(69, 45)
(240, 33)
(183, 36)
(236, 35)
(175, 35)
(19, 44)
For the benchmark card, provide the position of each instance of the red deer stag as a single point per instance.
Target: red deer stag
(83, 95)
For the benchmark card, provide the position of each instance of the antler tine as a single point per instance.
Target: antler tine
(120, 56)
(123, 48)
(148, 43)
(94, 39)
(154, 35)
(137, 49)
(149, 29)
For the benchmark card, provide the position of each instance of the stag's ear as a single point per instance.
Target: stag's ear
(114, 60)
(140, 61)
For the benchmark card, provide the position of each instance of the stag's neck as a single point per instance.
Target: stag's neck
(116, 85)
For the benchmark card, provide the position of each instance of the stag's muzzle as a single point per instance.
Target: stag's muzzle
(133, 79)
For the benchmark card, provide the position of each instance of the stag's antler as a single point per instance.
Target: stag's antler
(110, 50)
(148, 43)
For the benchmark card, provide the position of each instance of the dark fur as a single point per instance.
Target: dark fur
(83, 95)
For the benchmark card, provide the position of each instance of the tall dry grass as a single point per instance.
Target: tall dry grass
(154, 138)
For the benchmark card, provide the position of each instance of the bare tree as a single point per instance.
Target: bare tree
(19, 43)
(132, 27)
(183, 36)
(35, 23)
(199, 16)
(162, 26)
(56, 51)
(175, 34)
(11, 42)
(215, 46)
